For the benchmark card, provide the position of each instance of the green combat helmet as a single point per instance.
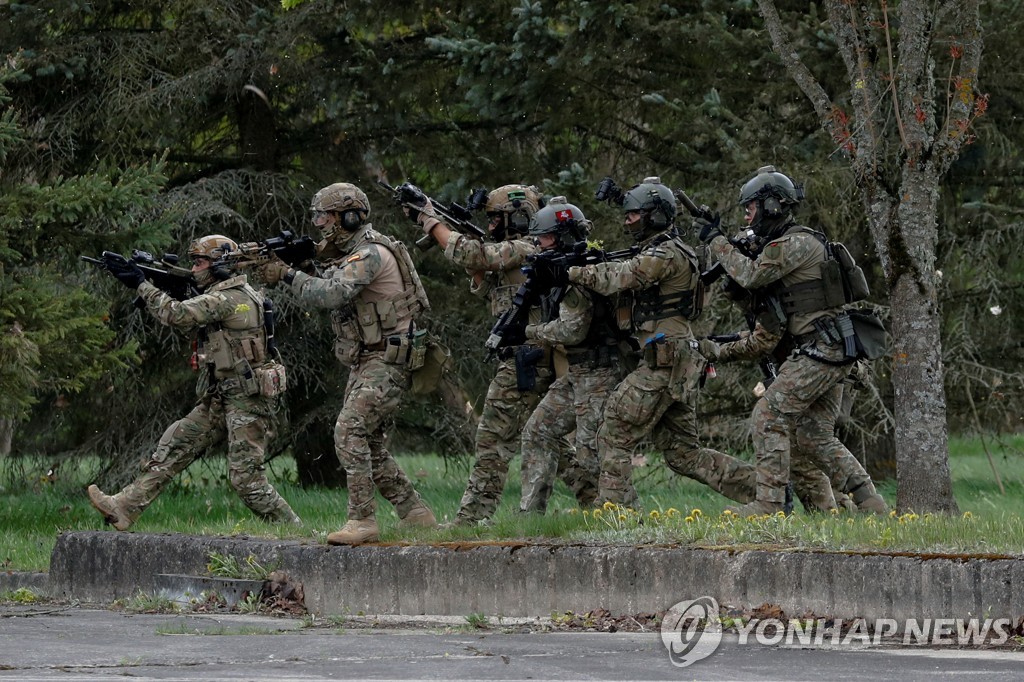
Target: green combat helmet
(656, 204)
(345, 199)
(776, 196)
(562, 219)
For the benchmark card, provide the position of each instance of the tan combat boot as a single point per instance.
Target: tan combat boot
(355, 533)
(419, 516)
(756, 508)
(867, 499)
(111, 509)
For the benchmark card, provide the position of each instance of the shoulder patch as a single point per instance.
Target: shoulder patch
(353, 257)
(242, 308)
(773, 250)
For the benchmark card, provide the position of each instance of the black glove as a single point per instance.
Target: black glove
(708, 229)
(548, 274)
(126, 272)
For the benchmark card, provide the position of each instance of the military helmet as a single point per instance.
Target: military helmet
(212, 246)
(345, 199)
(562, 219)
(341, 197)
(768, 182)
(516, 205)
(655, 201)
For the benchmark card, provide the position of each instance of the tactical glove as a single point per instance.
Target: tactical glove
(272, 272)
(707, 348)
(707, 229)
(126, 272)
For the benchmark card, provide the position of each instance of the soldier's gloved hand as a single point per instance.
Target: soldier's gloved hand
(126, 272)
(707, 229)
(272, 272)
(709, 349)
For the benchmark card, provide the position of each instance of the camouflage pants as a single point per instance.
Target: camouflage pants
(245, 422)
(797, 416)
(577, 401)
(498, 437)
(662, 402)
(372, 396)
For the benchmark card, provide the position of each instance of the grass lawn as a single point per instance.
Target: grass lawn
(33, 511)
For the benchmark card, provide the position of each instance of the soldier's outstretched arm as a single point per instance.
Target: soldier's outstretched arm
(488, 256)
(341, 282)
(188, 314)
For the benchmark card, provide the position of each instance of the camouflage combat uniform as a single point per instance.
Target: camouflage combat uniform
(229, 316)
(374, 295)
(585, 330)
(844, 473)
(795, 419)
(659, 397)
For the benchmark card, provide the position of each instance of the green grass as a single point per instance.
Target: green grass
(34, 511)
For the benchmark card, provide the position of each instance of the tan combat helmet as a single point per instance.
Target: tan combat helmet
(516, 205)
(343, 198)
(212, 246)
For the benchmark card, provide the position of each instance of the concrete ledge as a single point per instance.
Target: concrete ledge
(39, 583)
(529, 580)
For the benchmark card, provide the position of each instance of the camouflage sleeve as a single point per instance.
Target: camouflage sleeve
(484, 286)
(750, 346)
(570, 328)
(639, 272)
(493, 257)
(340, 283)
(776, 259)
(194, 312)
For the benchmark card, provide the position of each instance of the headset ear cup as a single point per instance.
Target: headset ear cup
(350, 220)
(772, 207)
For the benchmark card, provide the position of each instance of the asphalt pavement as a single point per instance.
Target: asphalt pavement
(72, 643)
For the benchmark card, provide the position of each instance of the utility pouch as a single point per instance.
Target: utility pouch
(427, 378)
(272, 379)
(347, 351)
(832, 283)
(394, 350)
(870, 333)
(853, 276)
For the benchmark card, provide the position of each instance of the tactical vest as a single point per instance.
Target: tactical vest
(842, 281)
(239, 342)
(370, 321)
(650, 304)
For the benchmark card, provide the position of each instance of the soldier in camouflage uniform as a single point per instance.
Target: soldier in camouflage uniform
(582, 324)
(659, 397)
(239, 382)
(845, 475)
(495, 271)
(796, 416)
(374, 294)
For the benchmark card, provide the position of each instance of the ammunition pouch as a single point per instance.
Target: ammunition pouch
(659, 352)
(408, 350)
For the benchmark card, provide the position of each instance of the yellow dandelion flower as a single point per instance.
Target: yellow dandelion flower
(689, 519)
(727, 512)
(696, 513)
(968, 515)
(598, 513)
(672, 511)
(586, 513)
(608, 505)
(655, 514)
(622, 517)
(780, 514)
(834, 511)
(574, 511)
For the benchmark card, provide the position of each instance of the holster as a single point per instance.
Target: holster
(527, 358)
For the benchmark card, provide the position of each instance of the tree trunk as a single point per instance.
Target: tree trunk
(922, 445)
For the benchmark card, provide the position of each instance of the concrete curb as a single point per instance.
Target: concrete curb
(530, 580)
(11, 581)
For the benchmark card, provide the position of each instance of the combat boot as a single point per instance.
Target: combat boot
(756, 508)
(867, 499)
(355, 533)
(112, 511)
(419, 516)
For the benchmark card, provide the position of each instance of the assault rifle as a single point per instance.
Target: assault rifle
(454, 215)
(541, 281)
(769, 369)
(285, 246)
(165, 274)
